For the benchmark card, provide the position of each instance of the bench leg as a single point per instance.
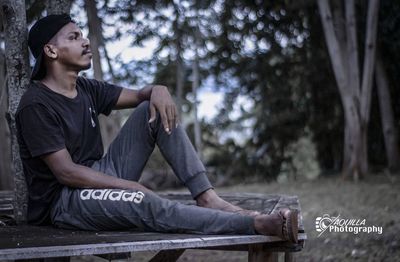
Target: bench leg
(258, 254)
(289, 257)
(167, 255)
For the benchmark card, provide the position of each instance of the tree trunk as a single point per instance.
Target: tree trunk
(180, 78)
(17, 61)
(95, 32)
(352, 166)
(109, 126)
(6, 182)
(58, 6)
(369, 60)
(390, 132)
(367, 77)
(356, 99)
(337, 54)
(195, 86)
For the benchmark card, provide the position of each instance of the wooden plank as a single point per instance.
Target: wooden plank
(50, 259)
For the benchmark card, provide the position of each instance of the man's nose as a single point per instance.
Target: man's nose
(86, 42)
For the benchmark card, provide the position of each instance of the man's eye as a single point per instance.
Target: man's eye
(73, 37)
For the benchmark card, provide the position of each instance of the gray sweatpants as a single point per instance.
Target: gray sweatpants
(111, 209)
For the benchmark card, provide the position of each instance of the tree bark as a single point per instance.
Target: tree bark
(17, 62)
(6, 182)
(390, 131)
(95, 32)
(369, 59)
(367, 77)
(356, 99)
(109, 126)
(58, 6)
(337, 54)
(195, 86)
(180, 77)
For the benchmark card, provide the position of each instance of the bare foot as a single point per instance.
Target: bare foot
(210, 199)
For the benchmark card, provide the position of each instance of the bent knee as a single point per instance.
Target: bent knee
(143, 106)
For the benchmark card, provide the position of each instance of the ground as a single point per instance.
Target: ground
(375, 199)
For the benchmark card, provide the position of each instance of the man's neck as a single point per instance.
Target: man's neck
(64, 84)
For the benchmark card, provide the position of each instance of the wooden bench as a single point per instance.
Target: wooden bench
(51, 244)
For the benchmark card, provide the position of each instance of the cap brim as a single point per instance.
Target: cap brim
(38, 71)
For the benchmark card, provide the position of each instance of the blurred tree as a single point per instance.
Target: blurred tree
(109, 125)
(355, 94)
(170, 23)
(325, 114)
(259, 48)
(389, 44)
(390, 131)
(196, 82)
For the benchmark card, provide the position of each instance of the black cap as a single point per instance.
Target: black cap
(39, 35)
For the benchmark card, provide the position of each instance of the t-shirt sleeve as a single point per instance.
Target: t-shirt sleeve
(105, 94)
(40, 130)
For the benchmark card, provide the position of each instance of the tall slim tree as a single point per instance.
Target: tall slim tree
(109, 125)
(180, 71)
(355, 90)
(17, 62)
(389, 129)
(195, 87)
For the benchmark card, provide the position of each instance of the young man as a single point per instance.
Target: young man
(72, 185)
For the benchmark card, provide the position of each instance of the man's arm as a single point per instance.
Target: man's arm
(73, 175)
(130, 98)
(160, 100)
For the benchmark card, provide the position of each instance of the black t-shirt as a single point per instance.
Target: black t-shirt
(48, 122)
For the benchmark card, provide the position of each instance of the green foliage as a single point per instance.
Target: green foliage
(302, 161)
(261, 46)
(272, 54)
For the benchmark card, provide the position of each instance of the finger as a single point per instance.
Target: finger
(164, 119)
(170, 118)
(152, 113)
(173, 116)
(176, 116)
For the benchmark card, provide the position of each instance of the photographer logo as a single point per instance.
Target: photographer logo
(342, 225)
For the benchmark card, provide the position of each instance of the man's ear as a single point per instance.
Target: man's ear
(50, 51)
